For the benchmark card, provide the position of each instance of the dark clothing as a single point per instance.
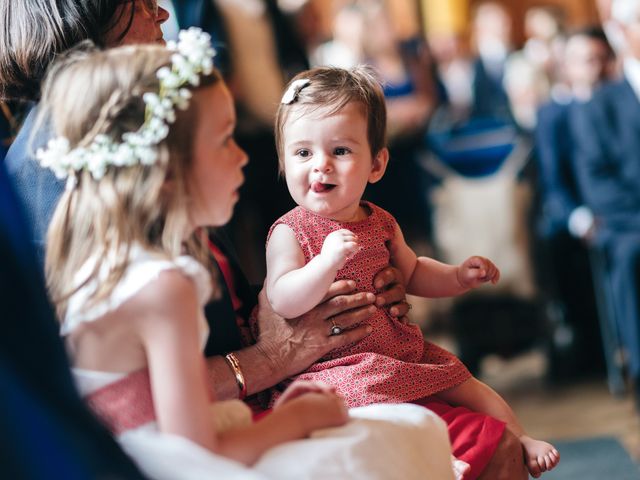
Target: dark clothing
(225, 333)
(607, 134)
(557, 179)
(45, 429)
(489, 97)
(37, 188)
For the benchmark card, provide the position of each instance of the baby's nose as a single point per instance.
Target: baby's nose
(322, 162)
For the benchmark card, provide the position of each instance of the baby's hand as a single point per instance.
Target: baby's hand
(475, 271)
(339, 246)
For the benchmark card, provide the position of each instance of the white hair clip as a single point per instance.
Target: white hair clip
(192, 57)
(294, 89)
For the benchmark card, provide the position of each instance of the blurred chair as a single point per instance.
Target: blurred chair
(480, 208)
(614, 353)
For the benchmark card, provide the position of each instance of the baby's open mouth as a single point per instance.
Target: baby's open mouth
(318, 187)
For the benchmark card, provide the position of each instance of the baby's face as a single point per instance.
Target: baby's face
(328, 161)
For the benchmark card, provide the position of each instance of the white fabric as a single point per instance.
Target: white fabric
(379, 442)
(485, 216)
(631, 67)
(144, 268)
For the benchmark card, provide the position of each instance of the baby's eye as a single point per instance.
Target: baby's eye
(341, 151)
(303, 152)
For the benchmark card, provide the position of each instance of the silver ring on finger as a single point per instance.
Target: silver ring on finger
(335, 329)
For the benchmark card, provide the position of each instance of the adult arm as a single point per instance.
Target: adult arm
(287, 347)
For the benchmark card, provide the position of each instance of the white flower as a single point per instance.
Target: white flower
(193, 56)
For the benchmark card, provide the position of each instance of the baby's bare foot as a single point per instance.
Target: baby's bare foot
(460, 468)
(539, 456)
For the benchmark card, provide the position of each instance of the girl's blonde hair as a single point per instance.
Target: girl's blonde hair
(333, 88)
(91, 92)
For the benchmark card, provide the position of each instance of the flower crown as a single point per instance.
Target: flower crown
(193, 57)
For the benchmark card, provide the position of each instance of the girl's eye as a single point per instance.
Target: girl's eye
(303, 152)
(341, 151)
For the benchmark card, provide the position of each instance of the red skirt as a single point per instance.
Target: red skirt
(474, 436)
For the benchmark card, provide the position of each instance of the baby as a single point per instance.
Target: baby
(330, 134)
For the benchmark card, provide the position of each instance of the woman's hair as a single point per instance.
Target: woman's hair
(36, 31)
(89, 93)
(333, 88)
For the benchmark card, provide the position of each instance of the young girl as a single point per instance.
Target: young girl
(147, 166)
(330, 134)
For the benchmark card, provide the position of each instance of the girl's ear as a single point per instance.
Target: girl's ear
(379, 165)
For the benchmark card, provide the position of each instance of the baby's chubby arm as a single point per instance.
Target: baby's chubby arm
(294, 288)
(429, 278)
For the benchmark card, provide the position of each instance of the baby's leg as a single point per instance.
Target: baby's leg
(539, 456)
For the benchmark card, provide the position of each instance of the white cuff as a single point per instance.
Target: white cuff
(580, 221)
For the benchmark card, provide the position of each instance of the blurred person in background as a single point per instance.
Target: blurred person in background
(612, 30)
(401, 66)
(607, 162)
(454, 70)
(345, 48)
(565, 223)
(492, 41)
(544, 30)
(527, 87)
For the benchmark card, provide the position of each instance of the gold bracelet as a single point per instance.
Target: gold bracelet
(234, 365)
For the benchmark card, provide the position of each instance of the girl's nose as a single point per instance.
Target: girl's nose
(242, 156)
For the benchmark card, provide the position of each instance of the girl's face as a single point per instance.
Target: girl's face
(145, 26)
(216, 172)
(328, 161)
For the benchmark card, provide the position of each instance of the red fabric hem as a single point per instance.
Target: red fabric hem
(474, 436)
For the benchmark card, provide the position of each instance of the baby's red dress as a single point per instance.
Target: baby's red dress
(394, 363)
